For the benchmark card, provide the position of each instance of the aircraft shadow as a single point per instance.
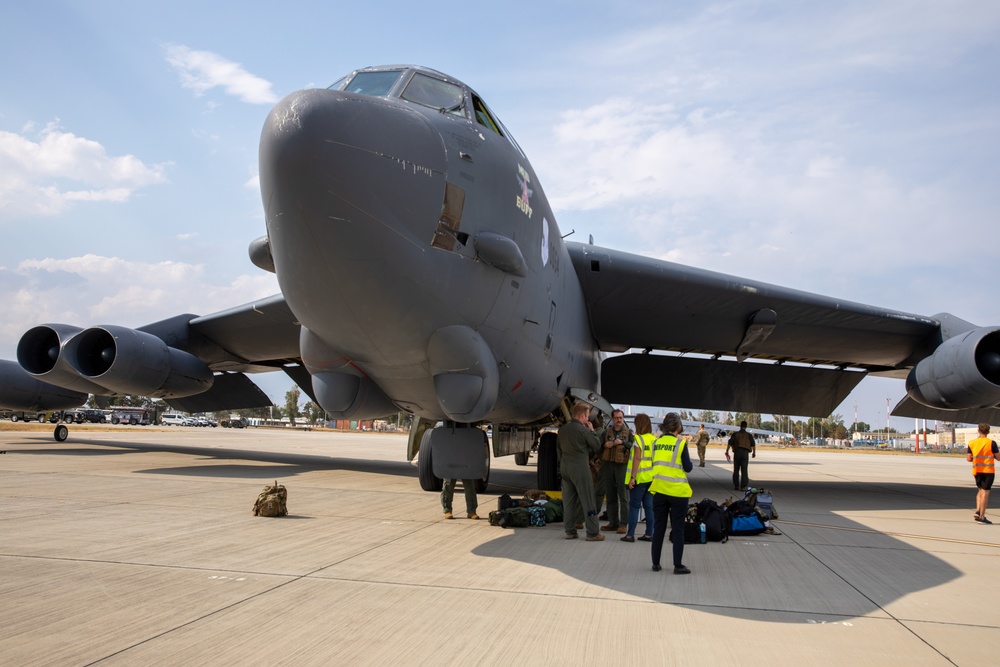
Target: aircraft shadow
(866, 570)
(283, 464)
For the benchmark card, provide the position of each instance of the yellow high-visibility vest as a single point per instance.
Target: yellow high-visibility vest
(669, 477)
(645, 475)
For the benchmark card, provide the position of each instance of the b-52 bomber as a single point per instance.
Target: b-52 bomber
(422, 270)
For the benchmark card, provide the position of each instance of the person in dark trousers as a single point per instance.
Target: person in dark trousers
(744, 448)
(471, 501)
(671, 491)
(576, 442)
(639, 477)
(611, 477)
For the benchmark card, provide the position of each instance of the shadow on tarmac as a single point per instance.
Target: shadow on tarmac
(875, 569)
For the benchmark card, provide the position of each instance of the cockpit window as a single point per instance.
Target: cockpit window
(435, 93)
(377, 84)
(339, 83)
(484, 116)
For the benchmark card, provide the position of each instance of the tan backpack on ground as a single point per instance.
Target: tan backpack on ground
(272, 501)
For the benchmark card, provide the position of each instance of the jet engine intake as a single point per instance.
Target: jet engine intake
(126, 361)
(963, 372)
(40, 354)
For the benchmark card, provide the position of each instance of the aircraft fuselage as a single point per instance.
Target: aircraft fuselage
(416, 247)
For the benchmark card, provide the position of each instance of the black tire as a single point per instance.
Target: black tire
(521, 458)
(15, 417)
(61, 433)
(484, 483)
(548, 463)
(116, 421)
(428, 482)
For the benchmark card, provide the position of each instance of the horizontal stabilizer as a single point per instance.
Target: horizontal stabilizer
(910, 408)
(230, 391)
(689, 382)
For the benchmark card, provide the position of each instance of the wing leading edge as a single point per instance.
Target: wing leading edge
(819, 348)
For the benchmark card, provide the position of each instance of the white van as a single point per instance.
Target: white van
(171, 418)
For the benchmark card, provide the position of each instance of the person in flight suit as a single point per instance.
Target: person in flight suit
(576, 443)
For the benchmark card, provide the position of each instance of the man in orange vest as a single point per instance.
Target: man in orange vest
(981, 453)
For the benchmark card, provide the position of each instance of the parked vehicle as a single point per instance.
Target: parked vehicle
(173, 419)
(20, 415)
(131, 416)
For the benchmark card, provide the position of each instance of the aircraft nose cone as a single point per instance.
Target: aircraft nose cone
(348, 169)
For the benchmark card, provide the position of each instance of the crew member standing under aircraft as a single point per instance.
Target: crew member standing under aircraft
(702, 445)
(981, 452)
(614, 462)
(638, 477)
(744, 447)
(671, 491)
(471, 501)
(576, 442)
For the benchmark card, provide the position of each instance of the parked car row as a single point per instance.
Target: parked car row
(175, 419)
(135, 417)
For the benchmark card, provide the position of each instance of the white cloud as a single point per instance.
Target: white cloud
(92, 289)
(202, 71)
(42, 177)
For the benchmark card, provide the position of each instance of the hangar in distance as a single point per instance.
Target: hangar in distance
(422, 269)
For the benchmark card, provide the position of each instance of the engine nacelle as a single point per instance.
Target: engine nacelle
(40, 354)
(126, 361)
(963, 372)
(20, 391)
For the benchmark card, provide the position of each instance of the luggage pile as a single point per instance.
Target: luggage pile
(708, 521)
(534, 509)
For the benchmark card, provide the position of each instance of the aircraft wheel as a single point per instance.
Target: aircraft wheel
(61, 433)
(521, 458)
(483, 484)
(548, 463)
(428, 482)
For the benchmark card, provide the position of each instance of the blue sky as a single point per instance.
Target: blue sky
(847, 148)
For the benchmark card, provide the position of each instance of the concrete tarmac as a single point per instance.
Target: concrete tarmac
(138, 547)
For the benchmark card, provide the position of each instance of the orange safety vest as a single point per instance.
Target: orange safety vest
(982, 456)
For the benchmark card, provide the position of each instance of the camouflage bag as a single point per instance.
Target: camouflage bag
(272, 501)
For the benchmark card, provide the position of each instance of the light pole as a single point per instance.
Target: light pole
(887, 399)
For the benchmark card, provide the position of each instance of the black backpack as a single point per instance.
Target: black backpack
(714, 518)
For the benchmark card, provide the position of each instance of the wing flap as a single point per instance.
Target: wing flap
(689, 382)
(230, 391)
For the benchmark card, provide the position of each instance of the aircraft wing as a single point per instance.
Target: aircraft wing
(255, 337)
(814, 349)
